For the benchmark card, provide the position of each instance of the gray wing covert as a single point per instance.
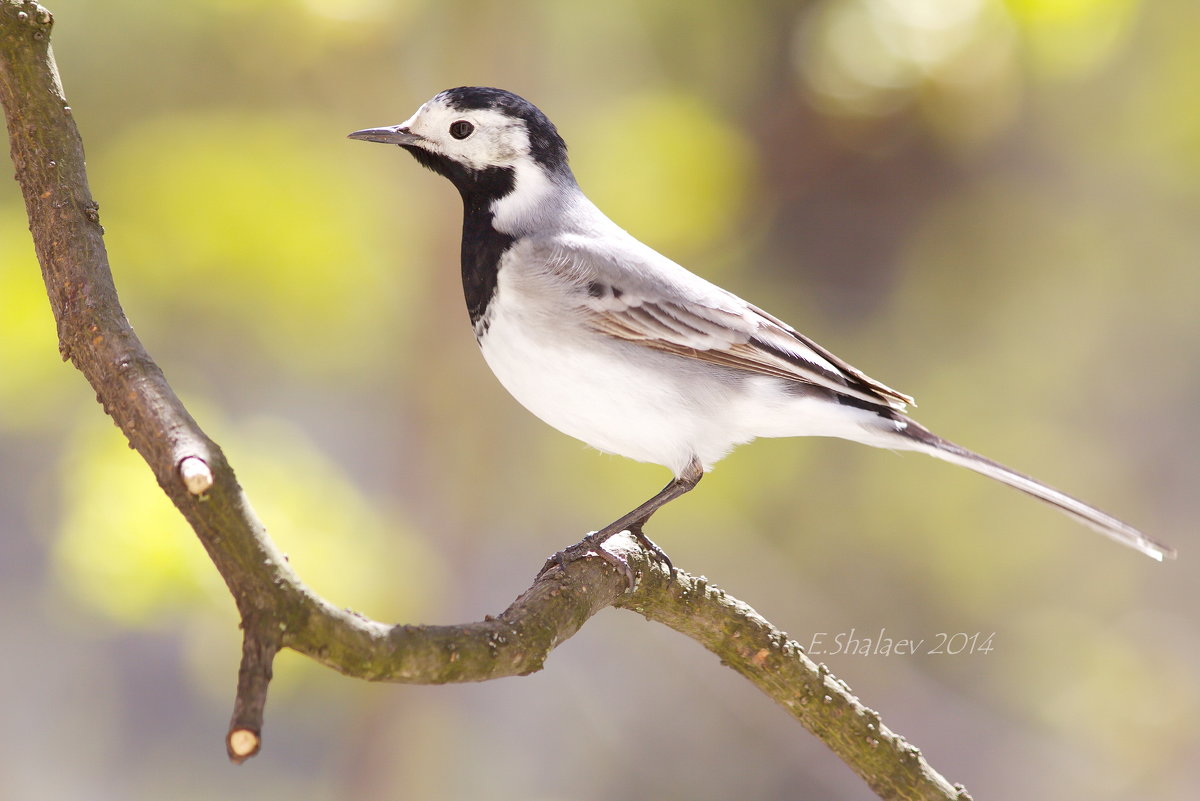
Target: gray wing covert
(672, 310)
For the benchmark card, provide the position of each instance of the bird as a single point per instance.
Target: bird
(614, 344)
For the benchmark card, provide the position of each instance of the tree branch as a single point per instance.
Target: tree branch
(276, 608)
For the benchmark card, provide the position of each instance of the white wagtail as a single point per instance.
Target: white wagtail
(616, 345)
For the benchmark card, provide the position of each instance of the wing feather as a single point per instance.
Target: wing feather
(749, 341)
(660, 305)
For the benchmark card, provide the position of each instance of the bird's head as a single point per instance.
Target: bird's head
(490, 143)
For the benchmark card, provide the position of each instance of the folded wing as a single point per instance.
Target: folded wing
(671, 310)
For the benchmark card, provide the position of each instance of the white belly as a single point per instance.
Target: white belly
(622, 398)
(605, 402)
(583, 383)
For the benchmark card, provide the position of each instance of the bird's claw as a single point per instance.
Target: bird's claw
(593, 543)
(585, 547)
(616, 560)
(651, 546)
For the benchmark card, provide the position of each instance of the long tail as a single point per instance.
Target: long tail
(917, 437)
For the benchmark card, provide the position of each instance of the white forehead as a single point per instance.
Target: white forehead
(497, 139)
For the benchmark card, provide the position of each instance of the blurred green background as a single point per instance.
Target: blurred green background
(993, 205)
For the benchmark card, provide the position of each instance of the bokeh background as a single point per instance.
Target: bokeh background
(991, 204)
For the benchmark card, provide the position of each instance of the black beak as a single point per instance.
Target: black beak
(392, 135)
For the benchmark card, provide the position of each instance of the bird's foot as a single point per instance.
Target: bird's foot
(587, 546)
(594, 543)
(651, 546)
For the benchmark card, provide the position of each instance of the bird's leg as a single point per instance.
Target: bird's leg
(683, 483)
(633, 522)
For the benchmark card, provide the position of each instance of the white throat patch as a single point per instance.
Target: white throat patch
(522, 209)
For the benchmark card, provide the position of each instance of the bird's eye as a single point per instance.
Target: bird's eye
(461, 129)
